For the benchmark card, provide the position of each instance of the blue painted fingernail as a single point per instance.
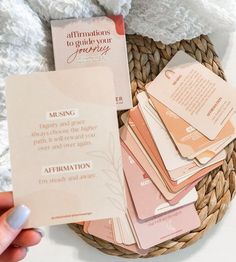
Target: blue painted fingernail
(18, 217)
(40, 231)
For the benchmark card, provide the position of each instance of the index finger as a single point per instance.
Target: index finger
(6, 200)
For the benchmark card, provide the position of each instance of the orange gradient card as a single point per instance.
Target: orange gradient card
(188, 140)
(65, 158)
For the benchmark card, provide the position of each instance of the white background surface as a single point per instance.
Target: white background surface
(61, 244)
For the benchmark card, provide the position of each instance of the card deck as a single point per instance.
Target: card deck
(137, 124)
(116, 230)
(125, 231)
(173, 186)
(103, 229)
(131, 144)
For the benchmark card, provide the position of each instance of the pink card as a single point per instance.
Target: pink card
(147, 199)
(103, 229)
(62, 145)
(95, 41)
(163, 227)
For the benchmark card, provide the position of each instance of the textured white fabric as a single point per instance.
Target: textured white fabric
(173, 20)
(25, 40)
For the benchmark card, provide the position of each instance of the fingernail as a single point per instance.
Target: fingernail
(40, 231)
(18, 217)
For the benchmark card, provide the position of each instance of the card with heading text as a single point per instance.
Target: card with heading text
(94, 41)
(195, 93)
(189, 141)
(62, 150)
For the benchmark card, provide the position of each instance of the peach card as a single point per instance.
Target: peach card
(147, 199)
(103, 229)
(153, 173)
(86, 224)
(208, 155)
(63, 151)
(195, 93)
(163, 227)
(96, 41)
(189, 140)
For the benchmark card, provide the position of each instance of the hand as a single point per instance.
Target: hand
(13, 240)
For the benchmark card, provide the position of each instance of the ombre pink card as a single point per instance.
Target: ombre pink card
(147, 198)
(94, 41)
(65, 146)
(163, 227)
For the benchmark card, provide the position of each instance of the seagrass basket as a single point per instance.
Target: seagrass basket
(215, 191)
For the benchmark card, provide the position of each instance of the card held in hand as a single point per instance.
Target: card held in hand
(64, 144)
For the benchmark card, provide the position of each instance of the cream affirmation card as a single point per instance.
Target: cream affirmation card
(64, 144)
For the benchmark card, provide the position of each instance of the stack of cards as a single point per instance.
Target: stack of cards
(169, 142)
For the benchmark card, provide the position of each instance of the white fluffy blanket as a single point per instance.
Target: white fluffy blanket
(25, 40)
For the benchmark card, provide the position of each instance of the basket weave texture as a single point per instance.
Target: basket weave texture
(215, 191)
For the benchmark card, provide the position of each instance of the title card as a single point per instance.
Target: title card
(96, 41)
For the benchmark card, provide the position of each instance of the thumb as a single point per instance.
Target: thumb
(11, 224)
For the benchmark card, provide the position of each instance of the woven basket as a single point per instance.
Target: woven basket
(146, 59)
